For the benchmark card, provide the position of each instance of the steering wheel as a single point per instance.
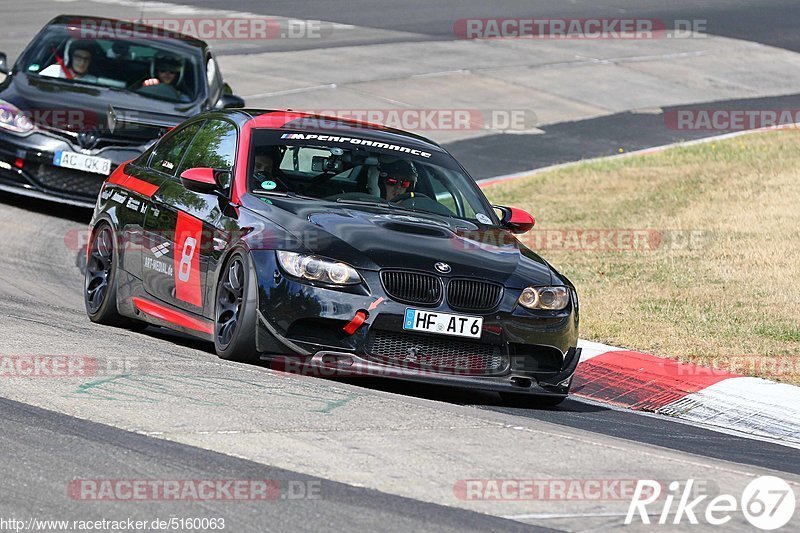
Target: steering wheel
(406, 195)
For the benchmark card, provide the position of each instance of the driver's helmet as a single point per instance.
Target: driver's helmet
(401, 170)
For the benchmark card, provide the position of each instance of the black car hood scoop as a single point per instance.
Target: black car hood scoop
(416, 229)
(408, 224)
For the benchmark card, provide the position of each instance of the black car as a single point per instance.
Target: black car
(330, 246)
(55, 142)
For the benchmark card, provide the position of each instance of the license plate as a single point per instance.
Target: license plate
(87, 163)
(443, 323)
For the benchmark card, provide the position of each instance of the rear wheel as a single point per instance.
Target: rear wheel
(516, 399)
(235, 311)
(100, 287)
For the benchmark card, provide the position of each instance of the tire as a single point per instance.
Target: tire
(235, 309)
(517, 399)
(100, 279)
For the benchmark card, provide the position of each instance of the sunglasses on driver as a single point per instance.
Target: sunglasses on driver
(397, 182)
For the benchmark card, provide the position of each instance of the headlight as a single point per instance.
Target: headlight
(550, 298)
(12, 119)
(314, 268)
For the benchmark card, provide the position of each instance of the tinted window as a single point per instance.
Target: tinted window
(169, 152)
(86, 53)
(333, 168)
(214, 147)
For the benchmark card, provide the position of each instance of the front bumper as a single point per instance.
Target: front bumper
(340, 364)
(26, 167)
(302, 328)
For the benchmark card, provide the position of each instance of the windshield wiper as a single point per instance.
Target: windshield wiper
(284, 194)
(380, 202)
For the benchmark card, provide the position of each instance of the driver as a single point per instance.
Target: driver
(266, 169)
(396, 178)
(165, 84)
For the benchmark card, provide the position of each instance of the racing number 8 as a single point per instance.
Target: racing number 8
(185, 267)
(188, 233)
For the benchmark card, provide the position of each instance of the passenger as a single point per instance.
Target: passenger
(165, 84)
(266, 165)
(80, 60)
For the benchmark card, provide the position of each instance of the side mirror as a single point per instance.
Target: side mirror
(229, 101)
(200, 179)
(3, 63)
(515, 220)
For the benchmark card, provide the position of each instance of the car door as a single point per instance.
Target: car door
(189, 221)
(157, 264)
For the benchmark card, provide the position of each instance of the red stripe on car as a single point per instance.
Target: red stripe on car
(188, 234)
(145, 188)
(172, 316)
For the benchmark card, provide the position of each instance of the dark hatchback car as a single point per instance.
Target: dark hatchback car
(55, 142)
(335, 246)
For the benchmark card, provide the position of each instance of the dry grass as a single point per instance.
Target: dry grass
(729, 295)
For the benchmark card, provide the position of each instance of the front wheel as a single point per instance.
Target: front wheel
(235, 310)
(100, 286)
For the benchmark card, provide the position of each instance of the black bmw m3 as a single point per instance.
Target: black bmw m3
(330, 245)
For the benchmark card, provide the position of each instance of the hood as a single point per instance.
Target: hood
(376, 238)
(58, 105)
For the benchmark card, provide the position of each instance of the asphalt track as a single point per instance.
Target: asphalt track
(44, 449)
(772, 22)
(42, 443)
(41, 311)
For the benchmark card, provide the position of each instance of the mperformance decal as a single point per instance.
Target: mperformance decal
(353, 140)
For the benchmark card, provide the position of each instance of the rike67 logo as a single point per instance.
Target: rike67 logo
(768, 503)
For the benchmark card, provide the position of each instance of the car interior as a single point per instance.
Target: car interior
(118, 63)
(351, 175)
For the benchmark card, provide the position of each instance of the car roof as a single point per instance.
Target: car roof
(287, 118)
(110, 24)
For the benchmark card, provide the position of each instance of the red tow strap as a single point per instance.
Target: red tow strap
(60, 62)
(354, 324)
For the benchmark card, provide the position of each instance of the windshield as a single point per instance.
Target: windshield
(364, 174)
(150, 68)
